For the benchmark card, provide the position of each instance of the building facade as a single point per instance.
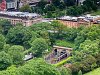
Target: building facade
(27, 19)
(12, 4)
(8, 4)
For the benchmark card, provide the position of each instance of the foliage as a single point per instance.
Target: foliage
(62, 62)
(70, 2)
(40, 26)
(16, 53)
(59, 27)
(6, 47)
(96, 12)
(80, 72)
(87, 64)
(90, 47)
(70, 34)
(88, 33)
(5, 60)
(75, 10)
(97, 57)
(38, 46)
(5, 26)
(65, 71)
(19, 35)
(65, 43)
(37, 67)
(2, 42)
(94, 72)
(26, 8)
(38, 38)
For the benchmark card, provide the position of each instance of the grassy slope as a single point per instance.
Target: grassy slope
(62, 62)
(96, 13)
(65, 43)
(94, 72)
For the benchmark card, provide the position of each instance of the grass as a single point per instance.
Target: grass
(62, 62)
(94, 72)
(65, 43)
(96, 12)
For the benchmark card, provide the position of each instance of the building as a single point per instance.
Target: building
(86, 20)
(8, 4)
(12, 4)
(30, 2)
(2, 5)
(27, 19)
(58, 53)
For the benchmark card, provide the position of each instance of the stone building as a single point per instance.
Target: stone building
(86, 20)
(27, 19)
(58, 53)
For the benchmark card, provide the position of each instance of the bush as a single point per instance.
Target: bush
(62, 62)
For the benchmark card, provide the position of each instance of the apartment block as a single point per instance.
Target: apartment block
(27, 19)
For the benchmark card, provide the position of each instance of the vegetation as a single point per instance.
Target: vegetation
(94, 72)
(62, 62)
(96, 12)
(58, 8)
(38, 39)
(65, 43)
(39, 46)
(26, 8)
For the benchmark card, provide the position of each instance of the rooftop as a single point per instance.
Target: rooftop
(19, 14)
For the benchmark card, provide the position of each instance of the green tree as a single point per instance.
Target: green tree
(58, 28)
(88, 63)
(42, 4)
(49, 7)
(9, 71)
(19, 35)
(90, 47)
(37, 67)
(6, 47)
(97, 57)
(91, 4)
(2, 41)
(65, 71)
(5, 60)
(70, 2)
(70, 34)
(6, 25)
(16, 53)
(56, 2)
(80, 72)
(26, 8)
(38, 46)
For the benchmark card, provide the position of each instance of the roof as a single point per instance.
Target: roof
(59, 47)
(30, 1)
(19, 14)
(28, 57)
